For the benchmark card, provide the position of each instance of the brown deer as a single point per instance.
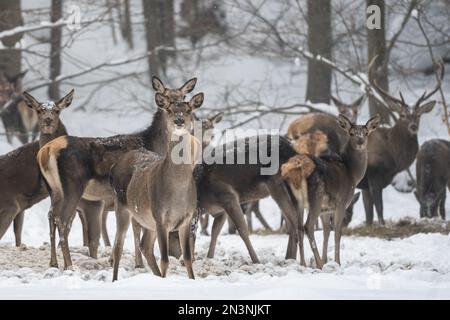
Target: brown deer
(21, 185)
(326, 184)
(158, 193)
(17, 118)
(392, 150)
(433, 176)
(351, 110)
(223, 187)
(76, 168)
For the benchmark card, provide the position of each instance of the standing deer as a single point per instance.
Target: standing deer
(21, 185)
(392, 150)
(433, 176)
(326, 184)
(76, 168)
(17, 118)
(158, 193)
(223, 187)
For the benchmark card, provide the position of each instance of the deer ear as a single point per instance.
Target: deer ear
(157, 85)
(427, 107)
(14, 79)
(188, 86)
(31, 102)
(65, 101)
(344, 122)
(338, 103)
(217, 118)
(196, 101)
(358, 101)
(373, 123)
(162, 101)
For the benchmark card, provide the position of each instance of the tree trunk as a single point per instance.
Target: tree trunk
(55, 50)
(10, 65)
(318, 87)
(160, 31)
(376, 46)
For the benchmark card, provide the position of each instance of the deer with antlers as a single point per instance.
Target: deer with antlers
(392, 150)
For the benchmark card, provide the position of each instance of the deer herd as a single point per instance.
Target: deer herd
(322, 160)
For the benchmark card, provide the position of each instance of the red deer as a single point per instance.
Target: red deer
(223, 187)
(433, 176)
(76, 168)
(392, 150)
(21, 184)
(326, 184)
(158, 193)
(19, 120)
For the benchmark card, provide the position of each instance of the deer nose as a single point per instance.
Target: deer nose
(413, 127)
(179, 121)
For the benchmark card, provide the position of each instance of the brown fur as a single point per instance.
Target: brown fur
(297, 169)
(311, 143)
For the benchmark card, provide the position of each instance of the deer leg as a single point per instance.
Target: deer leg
(326, 225)
(338, 218)
(314, 212)
(368, 206)
(122, 222)
(442, 206)
(8, 212)
(293, 216)
(248, 217)
(105, 235)
(204, 220)
(377, 196)
(163, 239)
(84, 225)
(18, 225)
(218, 223)
(260, 217)
(52, 225)
(147, 246)
(138, 263)
(231, 205)
(93, 216)
(184, 233)
(231, 226)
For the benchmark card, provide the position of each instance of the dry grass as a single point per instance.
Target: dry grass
(402, 228)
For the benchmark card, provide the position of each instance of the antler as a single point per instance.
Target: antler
(381, 91)
(439, 64)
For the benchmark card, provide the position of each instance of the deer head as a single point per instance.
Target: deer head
(9, 87)
(174, 94)
(358, 133)
(48, 112)
(409, 114)
(350, 110)
(179, 113)
(208, 125)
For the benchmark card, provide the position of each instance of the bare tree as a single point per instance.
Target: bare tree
(318, 87)
(55, 50)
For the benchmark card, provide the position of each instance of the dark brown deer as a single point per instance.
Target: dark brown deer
(18, 120)
(21, 184)
(350, 110)
(223, 187)
(392, 150)
(157, 192)
(326, 184)
(433, 176)
(76, 168)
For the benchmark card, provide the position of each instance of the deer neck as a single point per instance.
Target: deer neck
(45, 137)
(403, 144)
(355, 161)
(156, 137)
